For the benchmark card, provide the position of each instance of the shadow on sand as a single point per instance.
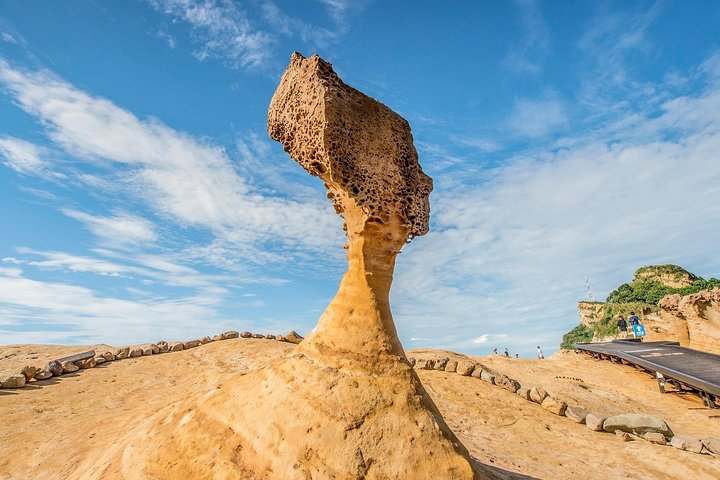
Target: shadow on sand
(491, 472)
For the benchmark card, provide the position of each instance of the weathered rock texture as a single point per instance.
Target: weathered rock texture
(693, 319)
(590, 313)
(346, 404)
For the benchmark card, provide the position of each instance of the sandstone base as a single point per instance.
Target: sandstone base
(300, 420)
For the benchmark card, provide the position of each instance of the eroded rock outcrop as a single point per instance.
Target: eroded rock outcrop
(346, 404)
(694, 319)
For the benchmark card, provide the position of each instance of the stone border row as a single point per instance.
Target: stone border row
(89, 359)
(627, 426)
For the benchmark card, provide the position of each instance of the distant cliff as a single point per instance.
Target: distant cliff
(671, 302)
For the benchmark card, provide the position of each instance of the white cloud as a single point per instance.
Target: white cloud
(481, 339)
(12, 260)
(23, 157)
(223, 29)
(71, 314)
(537, 118)
(509, 254)
(6, 37)
(187, 180)
(120, 229)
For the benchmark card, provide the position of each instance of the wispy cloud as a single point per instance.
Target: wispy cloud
(282, 23)
(222, 29)
(182, 178)
(51, 311)
(246, 36)
(611, 40)
(527, 54)
(25, 157)
(535, 118)
(121, 229)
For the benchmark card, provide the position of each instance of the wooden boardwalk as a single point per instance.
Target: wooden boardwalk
(684, 368)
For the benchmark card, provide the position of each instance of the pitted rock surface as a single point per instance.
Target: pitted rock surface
(361, 149)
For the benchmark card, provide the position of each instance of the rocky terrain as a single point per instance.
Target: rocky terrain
(74, 426)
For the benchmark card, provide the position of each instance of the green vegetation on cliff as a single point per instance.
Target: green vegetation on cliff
(579, 334)
(650, 285)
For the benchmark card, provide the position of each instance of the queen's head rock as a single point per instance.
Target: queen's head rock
(345, 404)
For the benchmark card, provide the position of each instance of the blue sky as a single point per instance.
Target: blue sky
(140, 197)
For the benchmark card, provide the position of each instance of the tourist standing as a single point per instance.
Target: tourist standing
(634, 319)
(540, 354)
(622, 326)
(507, 354)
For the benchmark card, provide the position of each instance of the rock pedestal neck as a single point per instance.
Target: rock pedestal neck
(346, 404)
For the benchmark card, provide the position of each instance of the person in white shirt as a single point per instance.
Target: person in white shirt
(540, 353)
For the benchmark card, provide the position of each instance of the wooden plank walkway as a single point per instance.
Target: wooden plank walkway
(692, 368)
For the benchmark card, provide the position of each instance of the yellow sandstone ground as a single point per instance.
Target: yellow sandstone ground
(59, 428)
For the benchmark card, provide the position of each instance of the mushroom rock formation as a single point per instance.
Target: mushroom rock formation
(364, 153)
(346, 404)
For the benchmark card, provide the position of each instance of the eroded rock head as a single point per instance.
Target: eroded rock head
(361, 149)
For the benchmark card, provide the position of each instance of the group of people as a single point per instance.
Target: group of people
(622, 324)
(540, 354)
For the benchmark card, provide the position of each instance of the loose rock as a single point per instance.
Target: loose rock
(135, 352)
(576, 414)
(411, 361)
(451, 366)
(176, 346)
(711, 444)
(524, 393)
(687, 443)
(55, 368)
(122, 353)
(69, 367)
(637, 423)
(246, 335)
(87, 363)
(595, 422)
(231, 334)
(508, 383)
(204, 340)
(191, 344)
(146, 351)
(487, 376)
(108, 356)
(29, 372)
(12, 380)
(293, 337)
(163, 347)
(554, 405)
(279, 338)
(441, 364)
(269, 337)
(538, 394)
(99, 360)
(43, 374)
(656, 438)
(465, 367)
(477, 372)
(424, 364)
(623, 436)
(217, 337)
